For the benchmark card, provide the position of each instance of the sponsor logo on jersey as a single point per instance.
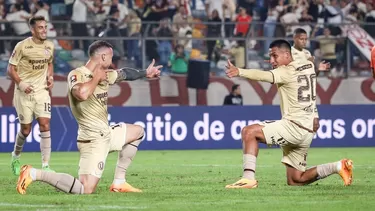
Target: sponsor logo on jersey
(304, 67)
(73, 78)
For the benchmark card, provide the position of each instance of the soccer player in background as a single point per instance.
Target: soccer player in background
(294, 132)
(31, 69)
(299, 50)
(88, 95)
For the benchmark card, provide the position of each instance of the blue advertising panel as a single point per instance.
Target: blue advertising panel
(206, 127)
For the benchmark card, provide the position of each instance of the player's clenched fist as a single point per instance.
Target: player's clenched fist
(153, 72)
(231, 71)
(25, 87)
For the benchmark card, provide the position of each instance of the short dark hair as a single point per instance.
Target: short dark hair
(18, 7)
(281, 44)
(234, 87)
(35, 19)
(299, 31)
(98, 44)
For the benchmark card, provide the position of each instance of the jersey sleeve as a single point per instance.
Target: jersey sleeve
(75, 77)
(16, 55)
(280, 75)
(112, 77)
(52, 54)
(308, 54)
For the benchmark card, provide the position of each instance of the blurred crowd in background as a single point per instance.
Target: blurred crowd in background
(175, 31)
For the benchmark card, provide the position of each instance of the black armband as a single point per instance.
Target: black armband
(129, 74)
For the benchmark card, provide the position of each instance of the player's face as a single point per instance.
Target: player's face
(300, 40)
(106, 58)
(39, 30)
(279, 57)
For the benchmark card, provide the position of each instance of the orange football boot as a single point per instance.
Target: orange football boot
(346, 171)
(24, 180)
(243, 183)
(124, 188)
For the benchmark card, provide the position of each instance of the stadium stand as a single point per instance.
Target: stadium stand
(175, 31)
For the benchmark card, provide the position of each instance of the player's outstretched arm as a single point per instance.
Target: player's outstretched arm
(131, 74)
(252, 74)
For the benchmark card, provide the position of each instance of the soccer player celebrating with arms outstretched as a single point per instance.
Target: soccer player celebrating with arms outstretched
(296, 82)
(31, 69)
(88, 95)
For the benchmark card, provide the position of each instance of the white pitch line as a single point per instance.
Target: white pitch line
(202, 165)
(96, 207)
(116, 207)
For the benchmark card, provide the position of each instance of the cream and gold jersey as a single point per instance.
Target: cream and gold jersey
(91, 114)
(31, 61)
(300, 55)
(296, 85)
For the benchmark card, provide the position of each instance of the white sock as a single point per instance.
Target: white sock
(15, 156)
(44, 165)
(325, 170)
(33, 174)
(249, 164)
(119, 181)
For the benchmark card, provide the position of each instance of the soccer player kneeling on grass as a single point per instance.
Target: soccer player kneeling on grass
(88, 95)
(296, 84)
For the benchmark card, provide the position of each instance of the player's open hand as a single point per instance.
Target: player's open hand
(231, 71)
(324, 66)
(153, 72)
(50, 83)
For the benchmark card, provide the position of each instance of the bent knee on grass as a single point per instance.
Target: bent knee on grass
(89, 183)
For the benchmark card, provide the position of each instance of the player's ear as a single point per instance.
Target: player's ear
(32, 29)
(103, 57)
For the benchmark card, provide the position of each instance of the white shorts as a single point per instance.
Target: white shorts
(293, 140)
(93, 154)
(29, 106)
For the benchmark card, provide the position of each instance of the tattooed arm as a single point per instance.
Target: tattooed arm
(131, 74)
(125, 74)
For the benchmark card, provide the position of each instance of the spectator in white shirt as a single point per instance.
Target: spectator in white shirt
(79, 25)
(20, 25)
(123, 16)
(212, 5)
(290, 21)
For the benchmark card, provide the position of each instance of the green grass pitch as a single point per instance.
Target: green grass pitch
(195, 180)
